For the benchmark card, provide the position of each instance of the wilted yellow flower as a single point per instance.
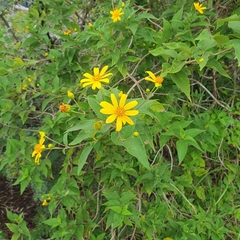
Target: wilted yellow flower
(168, 238)
(45, 54)
(67, 32)
(27, 27)
(123, 4)
(155, 79)
(50, 145)
(96, 79)
(116, 13)
(70, 94)
(65, 108)
(98, 125)
(148, 90)
(75, 29)
(119, 111)
(199, 7)
(201, 60)
(29, 79)
(89, 24)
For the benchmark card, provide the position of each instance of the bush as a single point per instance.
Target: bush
(123, 119)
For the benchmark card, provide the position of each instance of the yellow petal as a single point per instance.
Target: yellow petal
(130, 105)
(128, 120)
(151, 74)
(122, 100)
(131, 112)
(114, 100)
(88, 75)
(96, 71)
(105, 68)
(96, 85)
(106, 80)
(111, 118)
(119, 124)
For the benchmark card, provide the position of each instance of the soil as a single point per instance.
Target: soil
(11, 200)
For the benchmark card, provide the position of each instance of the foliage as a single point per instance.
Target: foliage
(171, 168)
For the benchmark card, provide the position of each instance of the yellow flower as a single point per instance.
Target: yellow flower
(89, 24)
(116, 13)
(70, 95)
(123, 4)
(29, 79)
(96, 79)
(201, 60)
(38, 148)
(119, 111)
(45, 54)
(168, 238)
(199, 7)
(65, 108)
(27, 27)
(45, 203)
(155, 79)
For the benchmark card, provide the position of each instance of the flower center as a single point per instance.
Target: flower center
(97, 78)
(159, 79)
(38, 148)
(120, 112)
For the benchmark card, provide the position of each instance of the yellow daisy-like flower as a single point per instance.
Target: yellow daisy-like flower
(96, 79)
(199, 7)
(119, 111)
(38, 148)
(116, 13)
(155, 79)
(65, 108)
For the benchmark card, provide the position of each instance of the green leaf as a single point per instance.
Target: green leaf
(115, 56)
(182, 147)
(182, 81)
(236, 46)
(81, 136)
(177, 19)
(165, 53)
(85, 125)
(13, 227)
(83, 157)
(16, 236)
(24, 229)
(116, 209)
(133, 27)
(134, 146)
(94, 104)
(145, 15)
(215, 65)
(201, 193)
(53, 222)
